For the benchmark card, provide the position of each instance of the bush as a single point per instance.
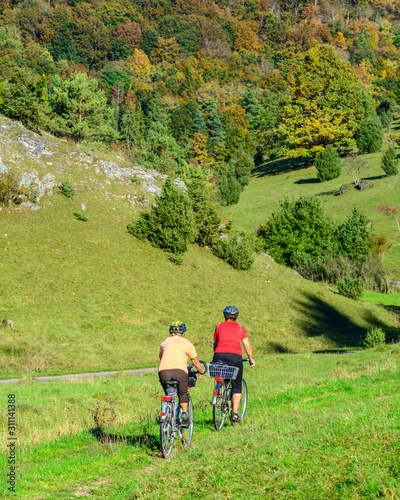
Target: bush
(81, 216)
(370, 135)
(327, 163)
(11, 193)
(351, 287)
(170, 224)
(298, 233)
(374, 337)
(176, 258)
(237, 250)
(390, 162)
(353, 236)
(230, 190)
(66, 189)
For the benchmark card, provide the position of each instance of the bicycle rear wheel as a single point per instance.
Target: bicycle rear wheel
(187, 432)
(166, 433)
(243, 401)
(220, 408)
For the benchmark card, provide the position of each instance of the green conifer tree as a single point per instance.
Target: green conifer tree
(199, 125)
(370, 135)
(327, 162)
(390, 161)
(253, 109)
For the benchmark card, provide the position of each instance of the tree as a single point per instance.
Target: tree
(370, 135)
(326, 104)
(22, 98)
(252, 108)
(170, 224)
(129, 31)
(390, 161)
(214, 125)
(79, 109)
(140, 64)
(356, 165)
(390, 212)
(327, 162)
(199, 125)
(354, 236)
(299, 232)
(242, 163)
(166, 49)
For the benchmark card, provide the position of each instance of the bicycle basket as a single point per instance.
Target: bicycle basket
(222, 371)
(192, 381)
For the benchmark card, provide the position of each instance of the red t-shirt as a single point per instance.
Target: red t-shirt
(230, 336)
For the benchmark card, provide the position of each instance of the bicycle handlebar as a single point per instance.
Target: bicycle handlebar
(247, 359)
(193, 369)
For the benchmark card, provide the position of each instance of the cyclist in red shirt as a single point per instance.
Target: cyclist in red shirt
(228, 339)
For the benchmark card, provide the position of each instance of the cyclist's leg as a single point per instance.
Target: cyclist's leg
(237, 387)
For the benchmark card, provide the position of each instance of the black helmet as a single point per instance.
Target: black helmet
(231, 312)
(177, 328)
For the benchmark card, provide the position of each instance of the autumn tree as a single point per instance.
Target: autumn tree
(326, 105)
(166, 49)
(140, 64)
(129, 31)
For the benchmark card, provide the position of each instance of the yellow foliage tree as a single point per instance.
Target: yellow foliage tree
(199, 148)
(167, 49)
(140, 64)
(341, 41)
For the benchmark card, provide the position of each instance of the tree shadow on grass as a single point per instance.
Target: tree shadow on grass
(313, 180)
(319, 318)
(276, 348)
(374, 177)
(281, 166)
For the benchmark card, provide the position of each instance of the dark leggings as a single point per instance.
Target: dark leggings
(232, 360)
(182, 377)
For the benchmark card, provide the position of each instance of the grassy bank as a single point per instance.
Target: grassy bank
(318, 426)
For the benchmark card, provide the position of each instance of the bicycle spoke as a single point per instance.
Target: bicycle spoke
(187, 432)
(243, 401)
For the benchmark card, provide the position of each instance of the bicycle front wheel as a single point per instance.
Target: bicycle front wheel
(243, 401)
(166, 434)
(187, 432)
(220, 407)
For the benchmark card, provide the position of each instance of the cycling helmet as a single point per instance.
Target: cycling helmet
(177, 328)
(231, 312)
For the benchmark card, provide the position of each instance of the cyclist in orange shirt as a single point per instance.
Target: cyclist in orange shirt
(174, 354)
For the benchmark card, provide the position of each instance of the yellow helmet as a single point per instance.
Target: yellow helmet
(177, 328)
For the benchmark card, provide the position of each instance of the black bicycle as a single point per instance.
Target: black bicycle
(170, 420)
(222, 396)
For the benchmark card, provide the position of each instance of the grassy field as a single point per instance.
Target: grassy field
(87, 296)
(318, 426)
(275, 179)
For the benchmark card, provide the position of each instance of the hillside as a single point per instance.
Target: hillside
(87, 296)
(276, 179)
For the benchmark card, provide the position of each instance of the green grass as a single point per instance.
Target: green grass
(318, 426)
(275, 179)
(90, 297)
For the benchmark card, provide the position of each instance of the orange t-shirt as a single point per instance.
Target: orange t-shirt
(176, 351)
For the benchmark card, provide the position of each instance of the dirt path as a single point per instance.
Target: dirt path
(79, 375)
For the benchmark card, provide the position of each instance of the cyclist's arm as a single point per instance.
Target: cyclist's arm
(249, 350)
(198, 366)
(160, 354)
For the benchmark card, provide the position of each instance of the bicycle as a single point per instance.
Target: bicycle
(222, 396)
(170, 420)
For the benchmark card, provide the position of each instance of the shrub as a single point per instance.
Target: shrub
(81, 216)
(351, 287)
(176, 258)
(353, 236)
(67, 189)
(299, 232)
(374, 337)
(170, 224)
(390, 162)
(230, 190)
(237, 250)
(370, 135)
(327, 163)
(11, 193)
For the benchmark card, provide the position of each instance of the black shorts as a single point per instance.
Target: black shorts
(232, 360)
